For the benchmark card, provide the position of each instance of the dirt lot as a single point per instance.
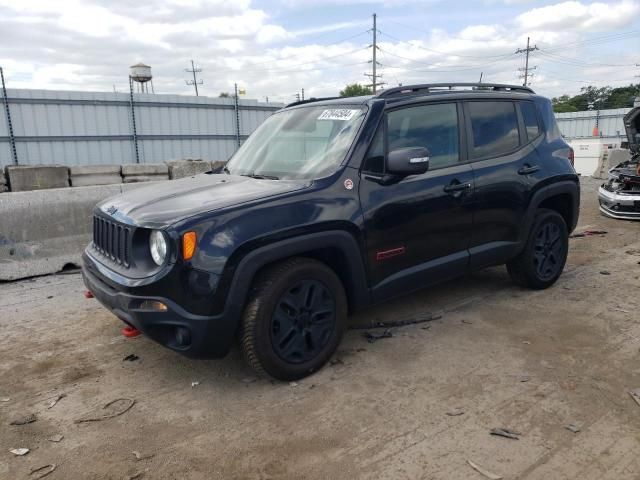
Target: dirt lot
(533, 362)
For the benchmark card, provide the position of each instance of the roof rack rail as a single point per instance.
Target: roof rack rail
(427, 87)
(309, 100)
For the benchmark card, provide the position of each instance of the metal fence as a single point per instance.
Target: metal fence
(575, 125)
(92, 128)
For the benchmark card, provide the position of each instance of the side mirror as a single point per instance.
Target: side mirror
(408, 161)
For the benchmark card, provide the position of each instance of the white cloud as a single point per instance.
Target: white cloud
(576, 15)
(89, 44)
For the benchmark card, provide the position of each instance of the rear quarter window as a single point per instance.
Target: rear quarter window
(530, 118)
(548, 119)
(494, 128)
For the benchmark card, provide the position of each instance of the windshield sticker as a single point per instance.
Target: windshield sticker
(338, 114)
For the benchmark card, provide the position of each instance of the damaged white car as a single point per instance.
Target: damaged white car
(620, 196)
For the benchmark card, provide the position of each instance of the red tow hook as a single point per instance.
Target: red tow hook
(88, 294)
(130, 331)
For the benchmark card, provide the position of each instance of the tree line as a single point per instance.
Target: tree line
(597, 98)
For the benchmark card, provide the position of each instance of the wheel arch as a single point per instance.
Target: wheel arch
(338, 249)
(562, 197)
(561, 203)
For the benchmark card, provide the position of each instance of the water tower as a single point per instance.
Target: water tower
(141, 74)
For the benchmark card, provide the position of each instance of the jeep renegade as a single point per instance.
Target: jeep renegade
(332, 205)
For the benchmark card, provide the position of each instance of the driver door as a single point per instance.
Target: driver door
(418, 229)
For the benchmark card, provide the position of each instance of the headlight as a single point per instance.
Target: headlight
(158, 247)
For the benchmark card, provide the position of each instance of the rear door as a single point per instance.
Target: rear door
(417, 229)
(502, 158)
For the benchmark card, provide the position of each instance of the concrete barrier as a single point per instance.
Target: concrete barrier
(187, 168)
(42, 231)
(217, 166)
(37, 177)
(145, 172)
(85, 175)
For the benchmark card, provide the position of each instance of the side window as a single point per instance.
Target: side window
(374, 161)
(530, 118)
(432, 126)
(495, 128)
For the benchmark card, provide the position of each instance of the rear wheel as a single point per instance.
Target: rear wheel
(541, 262)
(294, 319)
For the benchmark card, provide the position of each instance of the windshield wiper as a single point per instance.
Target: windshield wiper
(226, 170)
(260, 176)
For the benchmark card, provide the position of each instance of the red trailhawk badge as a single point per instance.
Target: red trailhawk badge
(348, 184)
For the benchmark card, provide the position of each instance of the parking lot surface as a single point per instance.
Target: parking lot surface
(420, 404)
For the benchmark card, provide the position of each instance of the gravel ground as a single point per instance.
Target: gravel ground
(418, 405)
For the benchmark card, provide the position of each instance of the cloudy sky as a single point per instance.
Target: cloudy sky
(275, 48)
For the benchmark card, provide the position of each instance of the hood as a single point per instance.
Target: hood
(164, 203)
(632, 126)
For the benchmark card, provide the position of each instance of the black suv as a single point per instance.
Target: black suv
(332, 205)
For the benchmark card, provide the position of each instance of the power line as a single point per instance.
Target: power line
(461, 69)
(195, 82)
(597, 40)
(438, 51)
(390, 73)
(289, 57)
(526, 51)
(288, 68)
(556, 58)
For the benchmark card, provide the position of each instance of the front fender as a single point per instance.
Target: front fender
(239, 274)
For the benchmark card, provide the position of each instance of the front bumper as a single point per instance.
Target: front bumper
(624, 206)
(195, 336)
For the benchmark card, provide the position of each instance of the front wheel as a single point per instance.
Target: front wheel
(294, 319)
(541, 262)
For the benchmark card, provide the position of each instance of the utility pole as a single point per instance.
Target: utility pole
(134, 132)
(303, 94)
(7, 112)
(237, 111)
(195, 82)
(526, 51)
(374, 62)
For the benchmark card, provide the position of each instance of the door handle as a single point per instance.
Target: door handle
(527, 169)
(457, 187)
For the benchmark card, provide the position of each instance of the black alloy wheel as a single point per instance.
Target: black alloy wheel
(294, 319)
(549, 251)
(542, 260)
(303, 321)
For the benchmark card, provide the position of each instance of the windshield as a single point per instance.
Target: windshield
(302, 143)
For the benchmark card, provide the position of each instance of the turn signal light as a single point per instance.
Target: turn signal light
(153, 305)
(188, 245)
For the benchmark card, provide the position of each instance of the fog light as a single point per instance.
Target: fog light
(153, 305)
(183, 336)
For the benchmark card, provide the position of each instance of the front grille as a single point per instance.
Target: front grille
(112, 240)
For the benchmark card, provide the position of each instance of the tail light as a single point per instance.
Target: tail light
(572, 157)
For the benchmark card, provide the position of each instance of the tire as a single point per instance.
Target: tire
(541, 262)
(294, 319)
